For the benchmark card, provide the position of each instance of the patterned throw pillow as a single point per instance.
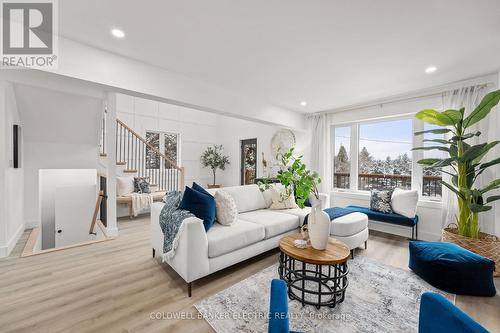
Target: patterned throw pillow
(283, 198)
(141, 185)
(226, 209)
(380, 201)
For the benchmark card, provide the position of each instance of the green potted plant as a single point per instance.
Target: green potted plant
(212, 158)
(297, 179)
(465, 164)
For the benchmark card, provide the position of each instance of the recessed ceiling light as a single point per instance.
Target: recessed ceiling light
(118, 33)
(303, 103)
(431, 69)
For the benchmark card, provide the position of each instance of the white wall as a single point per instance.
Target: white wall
(11, 180)
(199, 130)
(230, 132)
(61, 131)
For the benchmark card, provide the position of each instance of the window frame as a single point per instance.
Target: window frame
(162, 144)
(417, 141)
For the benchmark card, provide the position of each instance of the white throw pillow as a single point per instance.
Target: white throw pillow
(268, 197)
(404, 202)
(282, 199)
(124, 185)
(226, 209)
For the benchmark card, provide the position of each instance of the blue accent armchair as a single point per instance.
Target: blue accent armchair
(438, 315)
(278, 308)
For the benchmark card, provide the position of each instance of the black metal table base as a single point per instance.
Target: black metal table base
(313, 284)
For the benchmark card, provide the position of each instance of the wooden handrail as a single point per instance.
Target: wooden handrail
(140, 138)
(96, 211)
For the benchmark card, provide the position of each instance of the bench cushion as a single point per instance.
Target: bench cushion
(274, 222)
(223, 239)
(384, 217)
(452, 268)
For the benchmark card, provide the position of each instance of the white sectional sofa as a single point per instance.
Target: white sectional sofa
(257, 230)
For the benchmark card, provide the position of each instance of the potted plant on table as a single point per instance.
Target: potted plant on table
(299, 180)
(465, 164)
(212, 158)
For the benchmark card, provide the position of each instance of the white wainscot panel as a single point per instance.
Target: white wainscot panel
(191, 151)
(168, 125)
(125, 103)
(192, 169)
(143, 124)
(206, 134)
(168, 111)
(127, 118)
(190, 132)
(187, 115)
(146, 107)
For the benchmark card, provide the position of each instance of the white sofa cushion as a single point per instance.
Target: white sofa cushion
(404, 202)
(247, 197)
(223, 239)
(275, 223)
(349, 224)
(301, 213)
(227, 212)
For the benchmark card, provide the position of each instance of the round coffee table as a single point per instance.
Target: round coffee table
(314, 277)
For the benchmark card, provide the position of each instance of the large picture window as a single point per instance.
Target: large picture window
(342, 160)
(385, 157)
(431, 182)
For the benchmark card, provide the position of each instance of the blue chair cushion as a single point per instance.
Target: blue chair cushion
(452, 268)
(201, 205)
(385, 217)
(278, 308)
(438, 315)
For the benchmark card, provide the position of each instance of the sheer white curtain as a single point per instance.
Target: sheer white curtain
(469, 98)
(319, 127)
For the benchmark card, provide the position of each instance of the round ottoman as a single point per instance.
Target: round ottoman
(351, 229)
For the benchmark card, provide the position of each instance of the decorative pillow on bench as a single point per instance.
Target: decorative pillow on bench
(404, 202)
(141, 185)
(200, 203)
(380, 201)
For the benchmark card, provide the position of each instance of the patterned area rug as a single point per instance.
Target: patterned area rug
(379, 298)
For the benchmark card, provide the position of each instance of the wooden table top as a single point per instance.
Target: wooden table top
(335, 253)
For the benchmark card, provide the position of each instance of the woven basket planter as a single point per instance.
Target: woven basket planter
(487, 245)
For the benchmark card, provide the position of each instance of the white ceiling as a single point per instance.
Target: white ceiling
(329, 53)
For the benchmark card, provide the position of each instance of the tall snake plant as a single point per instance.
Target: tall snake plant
(464, 163)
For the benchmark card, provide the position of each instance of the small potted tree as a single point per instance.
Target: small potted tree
(212, 158)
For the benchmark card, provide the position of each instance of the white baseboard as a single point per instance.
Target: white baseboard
(111, 232)
(6, 249)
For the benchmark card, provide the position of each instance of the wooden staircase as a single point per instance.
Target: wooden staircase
(141, 159)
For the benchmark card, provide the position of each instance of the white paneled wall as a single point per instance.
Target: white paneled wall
(197, 129)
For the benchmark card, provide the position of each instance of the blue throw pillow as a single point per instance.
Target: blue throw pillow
(200, 189)
(201, 205)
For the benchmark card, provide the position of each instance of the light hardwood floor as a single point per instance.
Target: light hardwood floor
(114, 286)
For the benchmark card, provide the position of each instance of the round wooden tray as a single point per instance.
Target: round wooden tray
(335, 253)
